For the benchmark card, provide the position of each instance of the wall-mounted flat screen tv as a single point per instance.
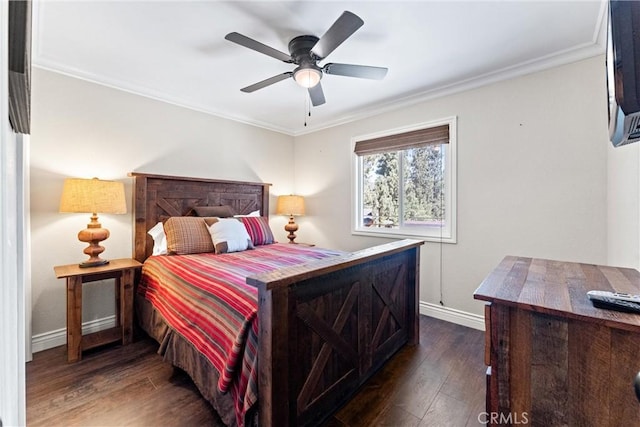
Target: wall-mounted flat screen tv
(20, 65)
(623, 71)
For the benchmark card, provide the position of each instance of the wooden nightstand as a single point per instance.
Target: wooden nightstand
(123, 271)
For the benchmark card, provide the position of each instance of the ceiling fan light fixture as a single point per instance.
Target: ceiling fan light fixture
(307, 76)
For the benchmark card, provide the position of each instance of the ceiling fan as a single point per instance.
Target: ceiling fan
(306, 51)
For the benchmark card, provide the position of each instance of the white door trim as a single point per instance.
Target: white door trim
(12, 295)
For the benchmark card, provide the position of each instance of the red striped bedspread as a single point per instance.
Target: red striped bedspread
(205, 298)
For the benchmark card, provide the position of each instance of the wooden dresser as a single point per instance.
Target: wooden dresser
(554, 359)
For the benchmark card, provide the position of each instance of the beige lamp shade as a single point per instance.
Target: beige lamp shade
(290, 205)
(93, 196)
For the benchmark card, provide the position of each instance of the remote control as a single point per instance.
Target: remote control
(615, 301)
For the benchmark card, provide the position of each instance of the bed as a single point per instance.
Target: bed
(323, 324)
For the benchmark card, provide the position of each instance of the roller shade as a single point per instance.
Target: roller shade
(403, 141)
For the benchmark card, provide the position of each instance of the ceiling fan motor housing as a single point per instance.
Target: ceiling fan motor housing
(300, 50)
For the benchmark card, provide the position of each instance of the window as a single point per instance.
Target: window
(405, 182)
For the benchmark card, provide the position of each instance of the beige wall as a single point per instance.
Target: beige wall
(81, 129)
(532, 177)
(623, 193)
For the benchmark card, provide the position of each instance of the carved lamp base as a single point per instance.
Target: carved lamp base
(291, 227)
(93, 234)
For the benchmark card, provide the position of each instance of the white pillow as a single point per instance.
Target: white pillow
(159, 239)
(229, 235)
(254, 213)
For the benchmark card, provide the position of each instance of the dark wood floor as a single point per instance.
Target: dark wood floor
(438, 383)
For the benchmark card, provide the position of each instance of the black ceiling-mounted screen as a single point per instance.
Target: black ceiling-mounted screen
(20, 65)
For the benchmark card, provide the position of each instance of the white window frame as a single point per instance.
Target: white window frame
(446, 234)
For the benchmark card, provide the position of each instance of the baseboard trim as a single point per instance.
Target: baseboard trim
(452, 315)
(58, 337)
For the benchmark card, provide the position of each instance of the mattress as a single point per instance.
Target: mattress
(203, 313)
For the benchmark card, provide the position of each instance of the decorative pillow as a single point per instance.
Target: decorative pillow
(159, 239)
(258, 229)
(254, 213)
(229, 235)
(218, 211)
(187, 235)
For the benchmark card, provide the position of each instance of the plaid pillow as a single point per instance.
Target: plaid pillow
(187, 235)
(258, 229)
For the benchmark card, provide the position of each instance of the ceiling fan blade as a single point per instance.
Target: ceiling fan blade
(342, 29)
(317, 95)
(258, 47)
(360, 71)
(267, 82)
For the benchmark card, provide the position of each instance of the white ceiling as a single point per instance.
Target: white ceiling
(175, 50)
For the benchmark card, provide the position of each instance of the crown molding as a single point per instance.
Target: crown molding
(56, 67)
(586, 51)
(594, 47)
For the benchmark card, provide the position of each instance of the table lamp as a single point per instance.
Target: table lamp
(291, 206)
(93, 196)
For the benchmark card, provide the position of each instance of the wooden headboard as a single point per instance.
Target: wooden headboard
(158, 197)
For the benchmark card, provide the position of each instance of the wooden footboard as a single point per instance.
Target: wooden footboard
(326, 328)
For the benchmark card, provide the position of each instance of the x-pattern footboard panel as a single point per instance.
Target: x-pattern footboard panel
(334, 343)
(388, 297)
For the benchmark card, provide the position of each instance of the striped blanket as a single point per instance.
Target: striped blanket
(205, 299)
